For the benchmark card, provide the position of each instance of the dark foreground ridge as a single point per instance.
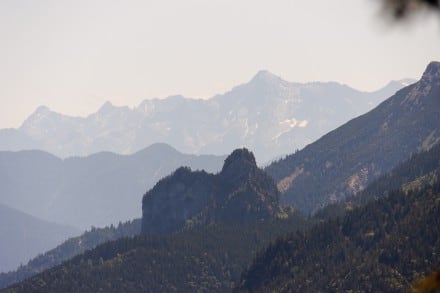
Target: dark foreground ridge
(240, 193)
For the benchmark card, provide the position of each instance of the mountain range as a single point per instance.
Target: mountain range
(345, 160)
(268, 115)
(97, 190)
(200, 230)
(23, 236)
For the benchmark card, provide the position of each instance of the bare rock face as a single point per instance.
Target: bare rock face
(240, 194)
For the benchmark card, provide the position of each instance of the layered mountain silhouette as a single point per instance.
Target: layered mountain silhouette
(97, 190)
(240, 194)
(344, 161)
(23, 236)
(380, 247)
(268, 115)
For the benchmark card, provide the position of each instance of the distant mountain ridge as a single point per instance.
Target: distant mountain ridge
(68, 249)
(97, 190)
(268, 115)
(23, 236)
(344, 161)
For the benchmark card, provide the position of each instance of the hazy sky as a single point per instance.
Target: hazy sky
(74, 55)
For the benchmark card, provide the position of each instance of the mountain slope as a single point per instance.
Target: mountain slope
(206, 259)
(268, 115)
(421, 169)
(97, 190)
(240, 193)
(382, 247)
(70, 248)
(23, 236)
(344, 161)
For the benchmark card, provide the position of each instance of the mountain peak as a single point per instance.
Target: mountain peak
(42, 109)
(432, 72)
(265, 76)
(106, 107)
(239, 157)
(241, 193)
(41, 113)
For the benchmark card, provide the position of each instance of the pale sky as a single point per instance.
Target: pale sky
(74, 55)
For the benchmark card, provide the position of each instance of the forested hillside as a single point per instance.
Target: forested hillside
(207, 259)
(69, 249)
(381, 247)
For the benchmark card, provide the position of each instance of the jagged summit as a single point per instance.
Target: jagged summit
(42, 109)
(240, 194)
(106, 107)
(239, 157)
(424, 93)
(265, 76)
(41, 114)
(432, 72)
(261, 114)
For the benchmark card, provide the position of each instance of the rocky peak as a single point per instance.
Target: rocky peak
(106, 107)
(240, 162)
(265, 77)
(432, 73)
(423, 91)
(42, 110)
(241, 193)
(40, 115)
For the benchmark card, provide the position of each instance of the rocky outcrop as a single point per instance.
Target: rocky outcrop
(241, 193)
(176, 199)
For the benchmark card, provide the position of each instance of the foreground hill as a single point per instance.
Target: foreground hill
(240, 193)
(268, 115)
(68, 249)
(97, 190)
(206, 259)
(344, 161)
(383, 246)
(23, 236)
